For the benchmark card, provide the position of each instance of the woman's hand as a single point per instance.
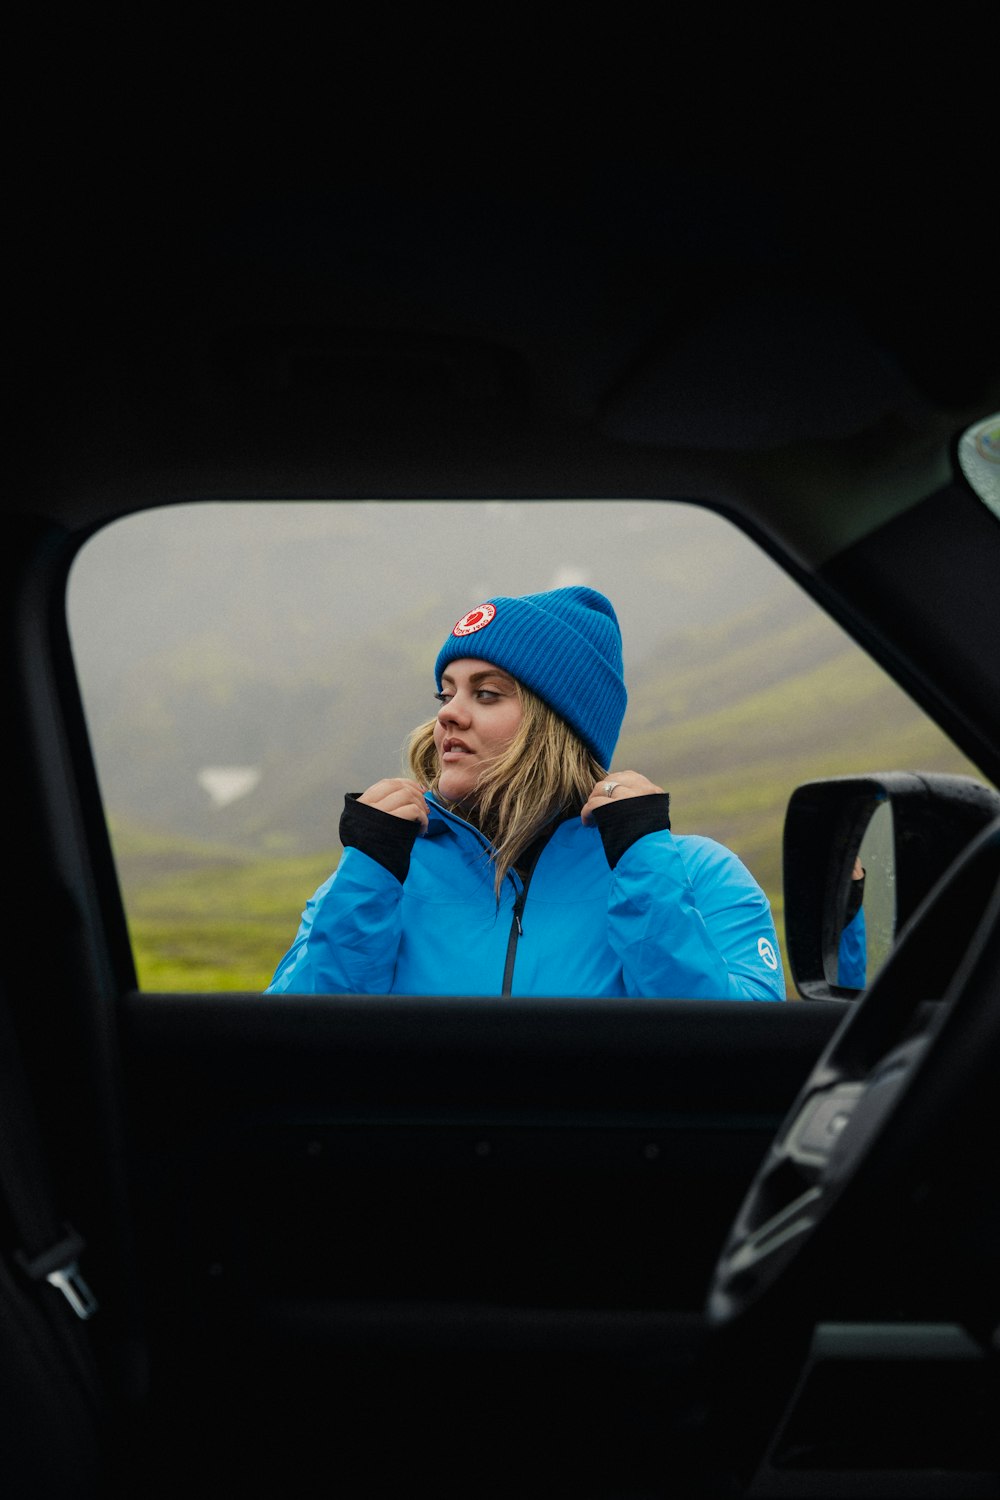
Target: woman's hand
(401, 798)
(615, 787)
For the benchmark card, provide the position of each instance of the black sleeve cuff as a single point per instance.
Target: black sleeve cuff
(621, 823)
(383, 837)
(855, 896)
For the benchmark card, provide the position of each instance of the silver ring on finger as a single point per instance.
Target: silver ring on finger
(609, 788)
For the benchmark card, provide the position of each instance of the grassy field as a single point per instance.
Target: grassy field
(207, 918)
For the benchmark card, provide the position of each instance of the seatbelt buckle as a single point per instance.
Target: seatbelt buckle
(59, 1267)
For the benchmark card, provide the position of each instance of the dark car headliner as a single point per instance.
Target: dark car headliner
(762, 329)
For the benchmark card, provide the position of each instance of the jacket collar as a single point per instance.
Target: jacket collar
(440, 818)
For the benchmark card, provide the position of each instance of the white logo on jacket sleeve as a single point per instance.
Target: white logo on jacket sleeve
(476, 619)
(767, 953)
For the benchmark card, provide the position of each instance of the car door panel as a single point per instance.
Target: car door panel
(415, 1205)
(468, 1152)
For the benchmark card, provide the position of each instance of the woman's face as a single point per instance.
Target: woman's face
(480, 714)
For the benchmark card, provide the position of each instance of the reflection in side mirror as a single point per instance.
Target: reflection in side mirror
(866, 902)
(877, 856)
(904, 829)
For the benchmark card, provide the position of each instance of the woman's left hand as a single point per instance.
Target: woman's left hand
(615, 787)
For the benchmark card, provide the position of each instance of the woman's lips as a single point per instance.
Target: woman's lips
(454, 750)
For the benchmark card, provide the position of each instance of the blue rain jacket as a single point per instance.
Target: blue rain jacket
(678, 916)
(852, 953)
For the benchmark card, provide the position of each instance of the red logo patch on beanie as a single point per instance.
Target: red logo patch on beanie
(476, 619)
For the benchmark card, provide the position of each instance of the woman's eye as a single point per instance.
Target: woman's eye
(442, 697)
(487, 694)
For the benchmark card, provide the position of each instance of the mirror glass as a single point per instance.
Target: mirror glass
(877, 856)
(868, 921)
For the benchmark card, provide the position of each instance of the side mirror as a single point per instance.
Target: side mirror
(902, 830)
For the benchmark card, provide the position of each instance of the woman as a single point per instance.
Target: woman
(513, 862)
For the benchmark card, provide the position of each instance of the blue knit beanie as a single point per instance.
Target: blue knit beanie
(564, 645)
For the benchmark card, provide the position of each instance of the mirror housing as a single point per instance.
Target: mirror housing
(914, 825)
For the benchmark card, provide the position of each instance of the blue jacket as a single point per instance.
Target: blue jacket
(852, 953)
(677, 917)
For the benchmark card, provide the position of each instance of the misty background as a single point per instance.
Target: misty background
(277, 655)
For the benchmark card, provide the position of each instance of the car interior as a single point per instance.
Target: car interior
(369, 1245)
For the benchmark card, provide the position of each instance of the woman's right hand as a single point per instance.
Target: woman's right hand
(400, 797)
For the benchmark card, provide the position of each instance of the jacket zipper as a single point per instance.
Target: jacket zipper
(516, 929)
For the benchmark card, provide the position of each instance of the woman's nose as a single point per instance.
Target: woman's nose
(454, 711)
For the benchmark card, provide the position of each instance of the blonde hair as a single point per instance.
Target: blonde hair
(545, 769)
